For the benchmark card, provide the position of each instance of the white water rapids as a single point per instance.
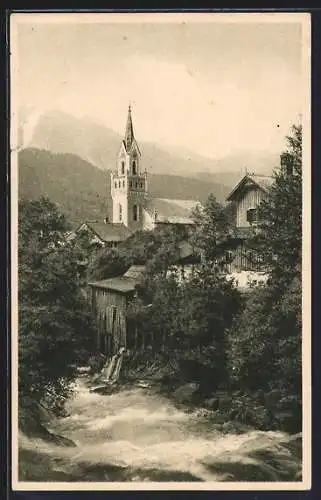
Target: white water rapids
(138, 435)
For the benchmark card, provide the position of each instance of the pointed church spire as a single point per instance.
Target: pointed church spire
(129, 134)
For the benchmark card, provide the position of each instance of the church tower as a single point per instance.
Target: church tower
(128, 183)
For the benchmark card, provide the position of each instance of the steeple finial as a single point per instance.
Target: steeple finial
(129, 134)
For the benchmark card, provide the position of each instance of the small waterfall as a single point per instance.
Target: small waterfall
(115, 375)
(111, 371)
(109, 367)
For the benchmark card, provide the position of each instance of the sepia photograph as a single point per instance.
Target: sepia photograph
(160, 259)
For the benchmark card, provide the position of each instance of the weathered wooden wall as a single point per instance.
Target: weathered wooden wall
(109, 309)
(251, 199)
(243, 259)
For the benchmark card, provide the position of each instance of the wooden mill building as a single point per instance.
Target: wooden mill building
(110, 299)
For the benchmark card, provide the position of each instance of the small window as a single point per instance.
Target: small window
(119, 184)
(251, 215)
(115, 184)
(135, 212)
(136, 185)
(229, 256)
(141, 185)
(134, 167)
(131, 184)
(123, 167)
(114, 313)
(120, 212)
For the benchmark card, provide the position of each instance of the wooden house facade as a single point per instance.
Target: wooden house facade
(247, 195)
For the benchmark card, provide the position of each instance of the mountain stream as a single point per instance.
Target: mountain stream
(138, 435)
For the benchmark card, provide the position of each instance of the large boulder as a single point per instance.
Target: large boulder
(186, 393)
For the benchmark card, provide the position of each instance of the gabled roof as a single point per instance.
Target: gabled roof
(167, 210)
(263, 182)
(123, 284)
(135, 272)
(108, 232)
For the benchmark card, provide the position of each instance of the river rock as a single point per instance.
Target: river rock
(288, 422)
(228, 428)
(104, 389)
(211, 403)
(186, 392)
(272, 398)
(225, 403)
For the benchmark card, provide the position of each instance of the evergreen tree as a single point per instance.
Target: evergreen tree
(280, 236)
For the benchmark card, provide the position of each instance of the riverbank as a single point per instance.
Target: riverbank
(188, 384)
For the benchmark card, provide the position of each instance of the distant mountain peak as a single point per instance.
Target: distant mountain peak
(90, 139)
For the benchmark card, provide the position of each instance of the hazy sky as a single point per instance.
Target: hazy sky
(212, 88)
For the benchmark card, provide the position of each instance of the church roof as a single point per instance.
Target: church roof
(172, 211)
(108, 232)
(263, 182)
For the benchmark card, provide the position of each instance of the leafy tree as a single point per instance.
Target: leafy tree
(107, 263)
(212, 229)
(158, 249)
(55, 329)
(252, 341)
(189, 318)
(209, 304)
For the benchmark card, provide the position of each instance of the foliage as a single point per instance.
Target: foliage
(191, 317)
(252, 341)
(213, 223)
(54, 321)
(158, 249)
(280, 237)
(107, 263)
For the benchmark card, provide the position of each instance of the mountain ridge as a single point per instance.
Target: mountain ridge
(90, 139)
(82, 190)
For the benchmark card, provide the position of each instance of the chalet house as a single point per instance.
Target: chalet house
(247, 195)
